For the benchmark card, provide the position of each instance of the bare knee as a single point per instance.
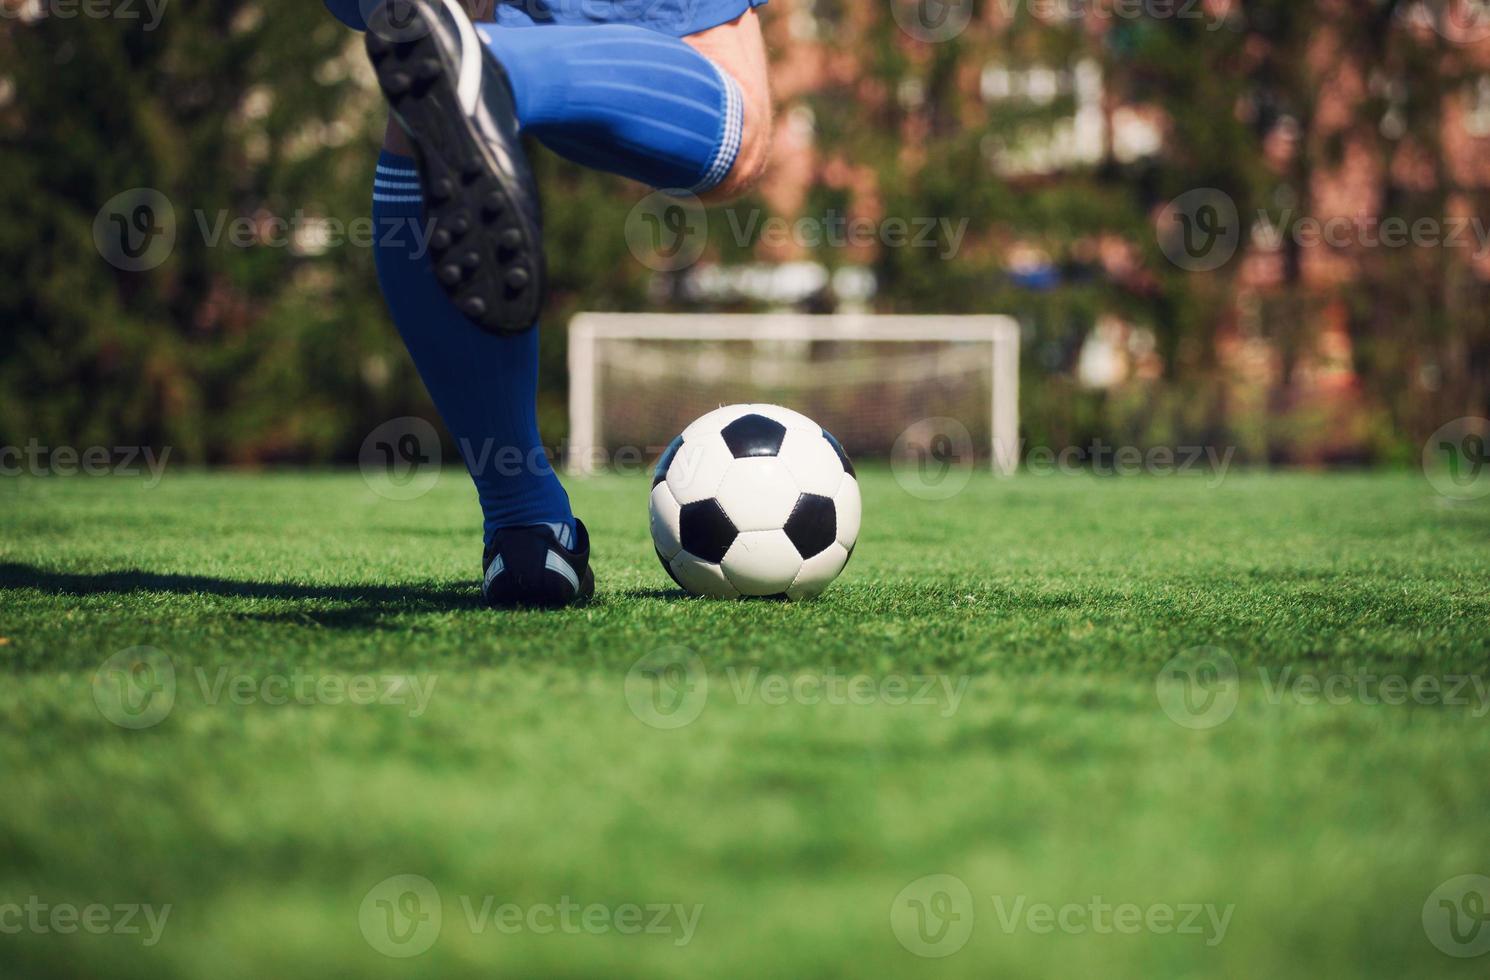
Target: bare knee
(750, 164)
(738, 48)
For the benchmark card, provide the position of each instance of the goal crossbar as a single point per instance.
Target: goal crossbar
(587, 330)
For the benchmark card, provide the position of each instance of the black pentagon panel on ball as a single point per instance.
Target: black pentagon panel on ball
(813, 525)
(666, 460)
(753, 435)
(848, 466)
(707, 530)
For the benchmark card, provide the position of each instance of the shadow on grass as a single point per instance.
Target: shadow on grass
(678, 595)
(367, 603)
(667, 595)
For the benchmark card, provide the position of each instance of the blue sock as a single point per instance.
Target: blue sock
(625, 100)
(485, 386)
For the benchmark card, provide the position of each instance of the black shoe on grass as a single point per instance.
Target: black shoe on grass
(538, 566)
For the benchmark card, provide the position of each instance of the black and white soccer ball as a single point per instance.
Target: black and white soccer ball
(755, 500)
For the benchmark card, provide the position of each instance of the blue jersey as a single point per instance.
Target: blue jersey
(674, 17)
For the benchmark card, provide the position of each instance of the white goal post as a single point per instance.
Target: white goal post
(590, 332)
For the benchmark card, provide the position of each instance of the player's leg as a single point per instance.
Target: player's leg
(738, 48)
(484, 386)
(688, 114)
(611, 96)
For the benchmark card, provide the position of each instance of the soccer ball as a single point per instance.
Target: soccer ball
(755, 500)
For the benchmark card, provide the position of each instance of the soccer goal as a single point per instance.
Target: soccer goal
(637, 379)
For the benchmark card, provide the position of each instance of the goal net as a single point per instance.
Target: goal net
(881, 384)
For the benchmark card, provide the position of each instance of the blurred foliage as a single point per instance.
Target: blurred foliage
(254, 109)
(227, 354)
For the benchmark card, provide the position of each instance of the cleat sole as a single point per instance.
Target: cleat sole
(465, 194)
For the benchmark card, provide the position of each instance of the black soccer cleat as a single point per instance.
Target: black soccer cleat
(455, 102)
(532, 566)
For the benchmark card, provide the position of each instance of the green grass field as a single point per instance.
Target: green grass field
(983, 695)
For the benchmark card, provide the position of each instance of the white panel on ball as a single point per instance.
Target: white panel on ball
(818, 572)
(850, 511)
(813, 463)
(702, 578)
(699, 467)
(665, 512)
(758, 493)
(762, 563)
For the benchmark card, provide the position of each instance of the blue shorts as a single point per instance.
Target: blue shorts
(675, 17)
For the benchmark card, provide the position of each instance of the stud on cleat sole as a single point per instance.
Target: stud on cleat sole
(478, 191)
